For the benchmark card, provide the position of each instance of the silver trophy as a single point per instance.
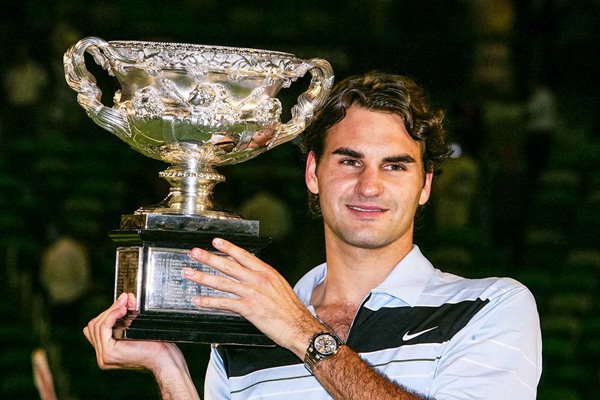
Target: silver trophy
(195, 107)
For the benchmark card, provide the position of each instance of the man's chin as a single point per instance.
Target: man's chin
(367, 241)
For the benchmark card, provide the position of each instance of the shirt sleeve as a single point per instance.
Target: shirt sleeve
(497, 355)
(216, 384)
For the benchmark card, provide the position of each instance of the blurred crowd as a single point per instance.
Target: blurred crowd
(519, 197)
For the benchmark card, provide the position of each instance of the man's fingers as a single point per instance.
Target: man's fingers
(222, 283)
(220, 263)
(86, 333)
(131, 301)
(239, 254)
(223, 264)
(116, 311)
(222, 303)
(94, 331)
(237, 262)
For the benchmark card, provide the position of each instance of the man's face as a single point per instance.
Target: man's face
(370, 180)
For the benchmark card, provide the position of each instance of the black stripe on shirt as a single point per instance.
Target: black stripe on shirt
(389, 327)
(372, 331)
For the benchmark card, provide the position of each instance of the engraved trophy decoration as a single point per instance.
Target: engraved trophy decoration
(195, 107)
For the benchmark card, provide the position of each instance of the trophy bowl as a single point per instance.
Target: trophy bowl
(195, 107)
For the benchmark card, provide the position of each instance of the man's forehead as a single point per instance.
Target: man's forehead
(355, 130)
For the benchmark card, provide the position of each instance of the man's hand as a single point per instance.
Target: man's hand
(163, 359)
(126, 354)
(263, 296)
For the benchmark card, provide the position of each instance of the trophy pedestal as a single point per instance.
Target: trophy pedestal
(152, 251)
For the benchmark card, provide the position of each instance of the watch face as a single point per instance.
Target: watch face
(326, 344)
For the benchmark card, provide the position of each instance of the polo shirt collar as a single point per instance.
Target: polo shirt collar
(406, 281)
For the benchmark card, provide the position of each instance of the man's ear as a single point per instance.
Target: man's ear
(310, 173)
(426, 190)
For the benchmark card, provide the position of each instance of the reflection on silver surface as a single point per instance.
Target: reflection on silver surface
(195, 107)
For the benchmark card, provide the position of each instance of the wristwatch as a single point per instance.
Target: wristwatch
(322, 346)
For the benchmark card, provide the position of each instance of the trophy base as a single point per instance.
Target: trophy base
(151, 254)
(189, 329)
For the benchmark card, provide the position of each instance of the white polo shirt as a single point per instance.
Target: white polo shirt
(436, 334)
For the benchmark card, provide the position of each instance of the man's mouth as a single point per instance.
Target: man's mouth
(366, 209)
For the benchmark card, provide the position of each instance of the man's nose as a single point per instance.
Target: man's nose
(370, 183)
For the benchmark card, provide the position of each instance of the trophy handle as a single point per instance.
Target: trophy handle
(84, 83)
(308, 102)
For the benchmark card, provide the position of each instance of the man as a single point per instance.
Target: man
(377, 321)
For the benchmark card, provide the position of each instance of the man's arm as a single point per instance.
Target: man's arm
(175, 382)
(265, 299)
(164, 360)
(347, 376)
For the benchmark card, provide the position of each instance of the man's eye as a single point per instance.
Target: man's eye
(349, 162)
(395, 167)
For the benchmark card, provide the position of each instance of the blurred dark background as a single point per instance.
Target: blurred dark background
(521, 198)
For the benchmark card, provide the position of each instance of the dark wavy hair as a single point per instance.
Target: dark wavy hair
(381, 92)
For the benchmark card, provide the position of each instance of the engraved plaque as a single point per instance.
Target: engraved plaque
(127, 270)
(168, 290)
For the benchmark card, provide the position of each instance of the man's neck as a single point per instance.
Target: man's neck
(353, 272)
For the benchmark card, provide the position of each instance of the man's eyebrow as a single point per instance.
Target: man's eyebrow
(345, 151)
(401, 158)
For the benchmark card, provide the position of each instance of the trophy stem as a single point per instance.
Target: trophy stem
(191, 189)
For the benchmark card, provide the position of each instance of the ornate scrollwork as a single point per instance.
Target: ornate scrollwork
(237, 62)
(148, 103)
(196, 106)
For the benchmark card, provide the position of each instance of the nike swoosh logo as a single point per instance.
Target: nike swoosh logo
(407, 336)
